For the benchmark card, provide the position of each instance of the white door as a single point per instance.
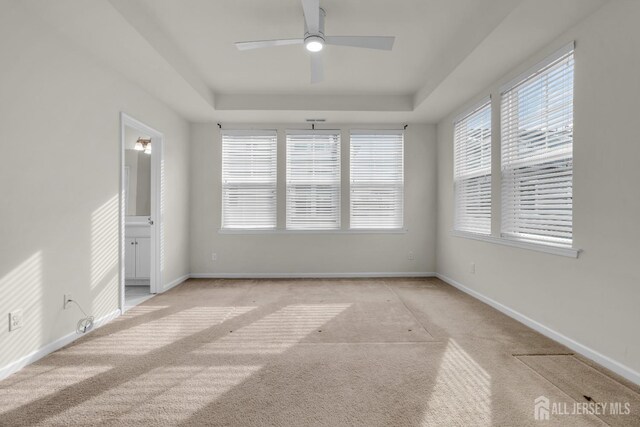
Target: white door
(143, 257)
(130, 258)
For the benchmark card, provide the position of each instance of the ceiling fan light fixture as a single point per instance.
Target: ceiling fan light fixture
(314, 43)
(314, 39)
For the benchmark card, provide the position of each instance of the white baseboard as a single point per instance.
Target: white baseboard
(307, 275)
(52, 346)
(582, 349)
(175, 282)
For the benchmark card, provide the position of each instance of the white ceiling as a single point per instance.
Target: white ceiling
(441, 47)
(206, 30)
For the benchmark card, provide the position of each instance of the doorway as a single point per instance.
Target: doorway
(140, 212)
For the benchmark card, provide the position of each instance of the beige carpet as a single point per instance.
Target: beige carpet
(400, 352)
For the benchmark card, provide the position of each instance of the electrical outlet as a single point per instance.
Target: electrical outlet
(67, 299)
(472, 268)
(411, 256)
(16, 320)
(214, 256)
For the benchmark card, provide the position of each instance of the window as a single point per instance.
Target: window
(537, 154)
(377, 179)
(472, 170)
(249, 179)
(313, 180)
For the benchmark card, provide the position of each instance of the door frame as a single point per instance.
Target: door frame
(157, 140)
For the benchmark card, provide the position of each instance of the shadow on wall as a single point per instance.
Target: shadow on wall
(104, 257)
(22, 287)
(39, 295)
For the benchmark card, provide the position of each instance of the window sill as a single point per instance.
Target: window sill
(353, 231)
(555, 250)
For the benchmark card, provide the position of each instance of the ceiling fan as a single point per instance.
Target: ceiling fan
(314, 39)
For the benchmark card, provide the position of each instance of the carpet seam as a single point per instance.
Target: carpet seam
(541, 354)
(577, 359)
(408, 309)
(605, 375)
(554, 385)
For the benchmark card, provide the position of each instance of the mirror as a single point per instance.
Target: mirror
(137, 173)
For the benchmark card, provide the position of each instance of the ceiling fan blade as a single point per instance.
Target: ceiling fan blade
(267, 43)
(311, 10)
(370, 42)
(317, 69)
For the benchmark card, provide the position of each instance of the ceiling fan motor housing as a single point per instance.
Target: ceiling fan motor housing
(320, 33)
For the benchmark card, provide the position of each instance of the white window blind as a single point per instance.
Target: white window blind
(472, 170)
(537, 154)
(249, 179)
(377, 179)
(313, 180)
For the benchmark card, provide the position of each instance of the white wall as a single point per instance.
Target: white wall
(59, 180)
(283, 253)
(595, 299)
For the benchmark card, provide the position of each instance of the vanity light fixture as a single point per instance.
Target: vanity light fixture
(143, 144)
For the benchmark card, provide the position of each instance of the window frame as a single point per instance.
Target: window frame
(266, 133)
(521, 167)
(337, 180)
(496, 236)
(468, 115)
(382, 183)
